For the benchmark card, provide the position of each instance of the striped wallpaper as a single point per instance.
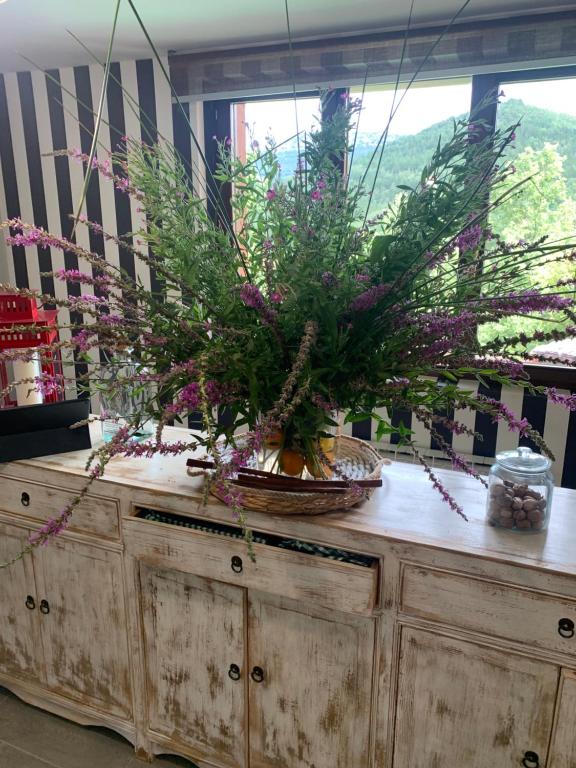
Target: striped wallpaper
(554, 422)
(42, 112)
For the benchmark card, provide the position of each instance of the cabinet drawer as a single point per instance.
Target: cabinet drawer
(217, 552)
(40, 502)
(480, 605)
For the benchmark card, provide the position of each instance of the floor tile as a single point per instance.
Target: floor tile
(10, 757)
(162, 761)
(57, 741)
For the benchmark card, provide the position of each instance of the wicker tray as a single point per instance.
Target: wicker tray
(355, 458)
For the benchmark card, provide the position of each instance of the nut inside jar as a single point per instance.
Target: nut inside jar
(516, 505)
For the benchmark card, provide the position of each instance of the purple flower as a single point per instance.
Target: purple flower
(469, 238)
(46, 384)
(526, 301)
(276, 297)
(267, 245)
(369, 298)
(329, 279)
(251, 296)
(325, 405)
(567, 401)
(190, 396)
(362, 278)
(271, 194)
(316, 194)
(502, 412)
(294, 228)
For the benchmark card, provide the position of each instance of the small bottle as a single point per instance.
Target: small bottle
(520, 488)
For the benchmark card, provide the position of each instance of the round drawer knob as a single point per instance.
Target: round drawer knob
(234, 672)
(236, 564)
(531, 760)
(566, 628)
(257, 674)
(25, 499)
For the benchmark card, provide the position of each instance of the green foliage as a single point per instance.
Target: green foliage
(302, 257)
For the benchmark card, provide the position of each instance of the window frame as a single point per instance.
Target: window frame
(218, 124)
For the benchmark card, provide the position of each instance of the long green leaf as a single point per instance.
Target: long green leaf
(192, 134)
(98, 121)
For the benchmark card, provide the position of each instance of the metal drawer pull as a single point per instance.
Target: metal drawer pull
(30, 603)
(234, 672)
(44, 607)
(236, 564)
(257, 674)
(25, 499)
(531, 760)
(566, 628)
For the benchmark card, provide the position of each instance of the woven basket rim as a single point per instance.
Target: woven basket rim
(307, 502)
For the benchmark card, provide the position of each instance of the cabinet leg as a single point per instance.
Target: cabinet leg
(143, 754)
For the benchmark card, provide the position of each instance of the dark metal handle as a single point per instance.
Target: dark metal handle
(25, 499)
(234, 672)
(531, 760)
(30, 603)
(257, 674)
(566, 628)
(44, 606)
(236, 564)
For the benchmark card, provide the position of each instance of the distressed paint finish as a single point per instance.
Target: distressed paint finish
(94, 515)
(84, 634)
(305, 577)
(563, 747)
(20, 646)
(194, 631)
(312, 710)
(465, 660)
(464, 704)
(520, 615)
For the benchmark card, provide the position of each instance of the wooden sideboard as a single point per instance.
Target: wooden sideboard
(426, 642)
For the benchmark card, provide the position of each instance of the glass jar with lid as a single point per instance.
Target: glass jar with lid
(520, 489)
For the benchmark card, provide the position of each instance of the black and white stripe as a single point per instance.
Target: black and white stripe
(39, 113)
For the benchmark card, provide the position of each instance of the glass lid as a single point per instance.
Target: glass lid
(523, 460)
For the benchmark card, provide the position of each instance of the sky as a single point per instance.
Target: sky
(419, 108)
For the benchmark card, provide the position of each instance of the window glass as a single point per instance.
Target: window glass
(275, 120)
(543, 153)
(422, 113)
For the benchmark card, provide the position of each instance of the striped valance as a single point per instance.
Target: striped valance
(540, 40)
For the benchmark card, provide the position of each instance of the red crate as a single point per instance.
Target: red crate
(17, 309)
(42, 331)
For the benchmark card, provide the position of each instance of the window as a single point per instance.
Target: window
(543, 154)
(261, 121)
(421, 114)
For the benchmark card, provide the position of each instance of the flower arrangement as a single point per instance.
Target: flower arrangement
(303, 304)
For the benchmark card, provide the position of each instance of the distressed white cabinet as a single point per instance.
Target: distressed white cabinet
(222, 662)
(194, 642)
(83, 625)
(20, 645)
(563, 745)
(310, 686)
(464, 704)
(430, 642)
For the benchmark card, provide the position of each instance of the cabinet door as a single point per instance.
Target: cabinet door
(193, 636)
(312, 707)
(461, 704)
(20, 646)
(563, 746)
(83, 624)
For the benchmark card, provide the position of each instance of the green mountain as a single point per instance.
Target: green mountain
(405, 156)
